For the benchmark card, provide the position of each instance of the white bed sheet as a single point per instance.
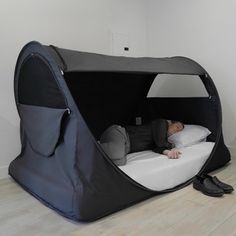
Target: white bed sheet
(158, 172)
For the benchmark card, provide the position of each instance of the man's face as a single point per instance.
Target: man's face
(174, 128)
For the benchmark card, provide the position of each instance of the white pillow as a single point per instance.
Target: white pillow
(191, 134)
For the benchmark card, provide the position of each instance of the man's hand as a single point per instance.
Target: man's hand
(174, 153)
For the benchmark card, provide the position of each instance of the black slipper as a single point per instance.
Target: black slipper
(226, 187)
(206, 186)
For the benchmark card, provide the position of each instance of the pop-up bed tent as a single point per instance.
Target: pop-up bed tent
(66, 99)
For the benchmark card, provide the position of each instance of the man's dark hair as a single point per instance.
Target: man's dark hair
(177, 121)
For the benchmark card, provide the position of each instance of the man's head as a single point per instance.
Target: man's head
(174, 127)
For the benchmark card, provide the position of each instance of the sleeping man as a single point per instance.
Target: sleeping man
(118, 141)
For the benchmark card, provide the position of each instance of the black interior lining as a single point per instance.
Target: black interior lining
(105, 98)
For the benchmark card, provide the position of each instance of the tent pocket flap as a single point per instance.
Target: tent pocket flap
(42, 126)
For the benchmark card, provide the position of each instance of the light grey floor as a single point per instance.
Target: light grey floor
(183, 212)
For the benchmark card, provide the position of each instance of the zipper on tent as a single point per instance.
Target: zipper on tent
(68, 110)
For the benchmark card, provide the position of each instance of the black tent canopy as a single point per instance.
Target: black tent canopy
(66, 99)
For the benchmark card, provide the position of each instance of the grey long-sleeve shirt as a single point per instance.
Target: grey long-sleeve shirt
(148, 136)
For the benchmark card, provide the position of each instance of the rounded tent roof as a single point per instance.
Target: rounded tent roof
(71, 60)
(137, 76)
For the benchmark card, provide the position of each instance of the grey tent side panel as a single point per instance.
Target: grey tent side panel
(61, 163)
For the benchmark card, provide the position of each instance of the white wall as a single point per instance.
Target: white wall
(86, 25)
(204, 30)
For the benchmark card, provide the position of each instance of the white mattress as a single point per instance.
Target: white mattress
(158, 172)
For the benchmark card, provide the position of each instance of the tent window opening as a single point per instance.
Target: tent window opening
(172, 85)
(37, 84)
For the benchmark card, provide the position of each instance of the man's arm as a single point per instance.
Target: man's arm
(159, 131)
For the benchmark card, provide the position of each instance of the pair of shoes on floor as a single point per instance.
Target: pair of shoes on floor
(211, 186)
